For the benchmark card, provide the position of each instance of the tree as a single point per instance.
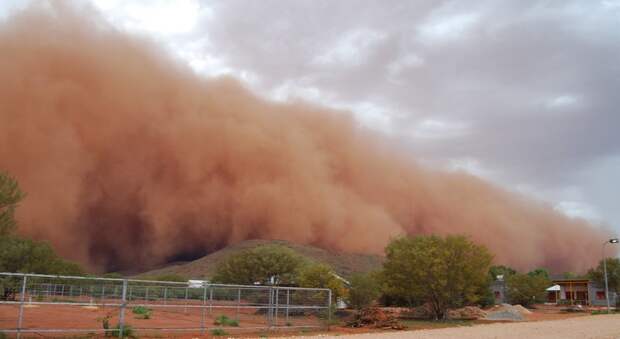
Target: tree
(28, 256)
(613, 273)
(540, 272)
(526, 289)
(10, 196)
(444, 272)
(502, 270)
(364, 290)
(23, 255)
(266, 264)
(321, 276)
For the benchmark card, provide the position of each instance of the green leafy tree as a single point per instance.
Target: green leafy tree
(526, 289)
(10, 196)
(24, 255)
(364, 290)
(540, 272)
(444, 272)
(28, 256)
(502, 270)
(321, 276)
(613, 273)
(266, 264)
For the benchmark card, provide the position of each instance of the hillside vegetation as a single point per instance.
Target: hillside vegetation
(345, 264)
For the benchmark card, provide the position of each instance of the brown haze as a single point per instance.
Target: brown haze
(129, 159)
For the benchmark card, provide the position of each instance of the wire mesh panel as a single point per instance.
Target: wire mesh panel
(45, 304)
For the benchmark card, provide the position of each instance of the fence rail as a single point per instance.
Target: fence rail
(37, 303)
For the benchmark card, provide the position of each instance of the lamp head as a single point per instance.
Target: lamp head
(614, 240)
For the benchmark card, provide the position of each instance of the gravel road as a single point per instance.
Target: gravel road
(599, 327)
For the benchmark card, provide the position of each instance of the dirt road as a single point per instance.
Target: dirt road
(599, 327)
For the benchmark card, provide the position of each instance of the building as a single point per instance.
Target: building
(498, 288)
(578, 292)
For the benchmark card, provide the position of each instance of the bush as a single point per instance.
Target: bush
(443, 272)
(265, 264)
(128, 331)
(321, 276)
(142, 312)
(218, 332)
(527, 289)
(364, 291)
(223, 320)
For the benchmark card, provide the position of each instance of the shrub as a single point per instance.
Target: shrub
(265, 264)
(128, 331)
(527, 289)
(363, 292)
(444, 272)
(223, 320)
(218, 332)
(142, 312)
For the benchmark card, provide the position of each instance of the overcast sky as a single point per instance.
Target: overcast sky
(523, 93)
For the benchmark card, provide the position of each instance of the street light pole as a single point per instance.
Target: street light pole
(610, 241)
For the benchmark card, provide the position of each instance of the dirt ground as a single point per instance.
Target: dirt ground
(599, 327)
(548, 321)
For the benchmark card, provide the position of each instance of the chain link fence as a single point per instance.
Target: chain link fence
(47, 304)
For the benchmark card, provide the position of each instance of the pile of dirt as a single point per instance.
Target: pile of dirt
(377, 318)
(522, 309)
(466, 313)
(507, 312)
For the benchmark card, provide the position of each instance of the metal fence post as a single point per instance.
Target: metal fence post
(186, 290)
(270, 309)
(277, 291)
(121, 316)
(211, 300)
(103, 295)
(287, 303)
(203, 320)
(329, 308)
(22, 297)
(238, 302)
(165, 295)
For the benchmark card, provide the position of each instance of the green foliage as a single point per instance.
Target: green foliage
(506, 271)
(142, 312)
(486, 296)
(218, 332)
(128, 331)
(113, 275)
(259, 264)
(24, 255)
(445, 272)
(613, 273)
(10, 196)
(223, 320)
(29, 256)
(321, 276)
(542, 272)
(3, 335)
(526, 289)
(364, 290)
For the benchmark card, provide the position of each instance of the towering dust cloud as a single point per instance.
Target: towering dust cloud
(130, 159)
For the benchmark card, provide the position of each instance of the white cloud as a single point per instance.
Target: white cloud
(439, 129)
(444, 28)
(578, 209)
(158, 16)
(351, 49)
(562, 101)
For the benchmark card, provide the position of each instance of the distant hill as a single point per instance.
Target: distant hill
(343, 263)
